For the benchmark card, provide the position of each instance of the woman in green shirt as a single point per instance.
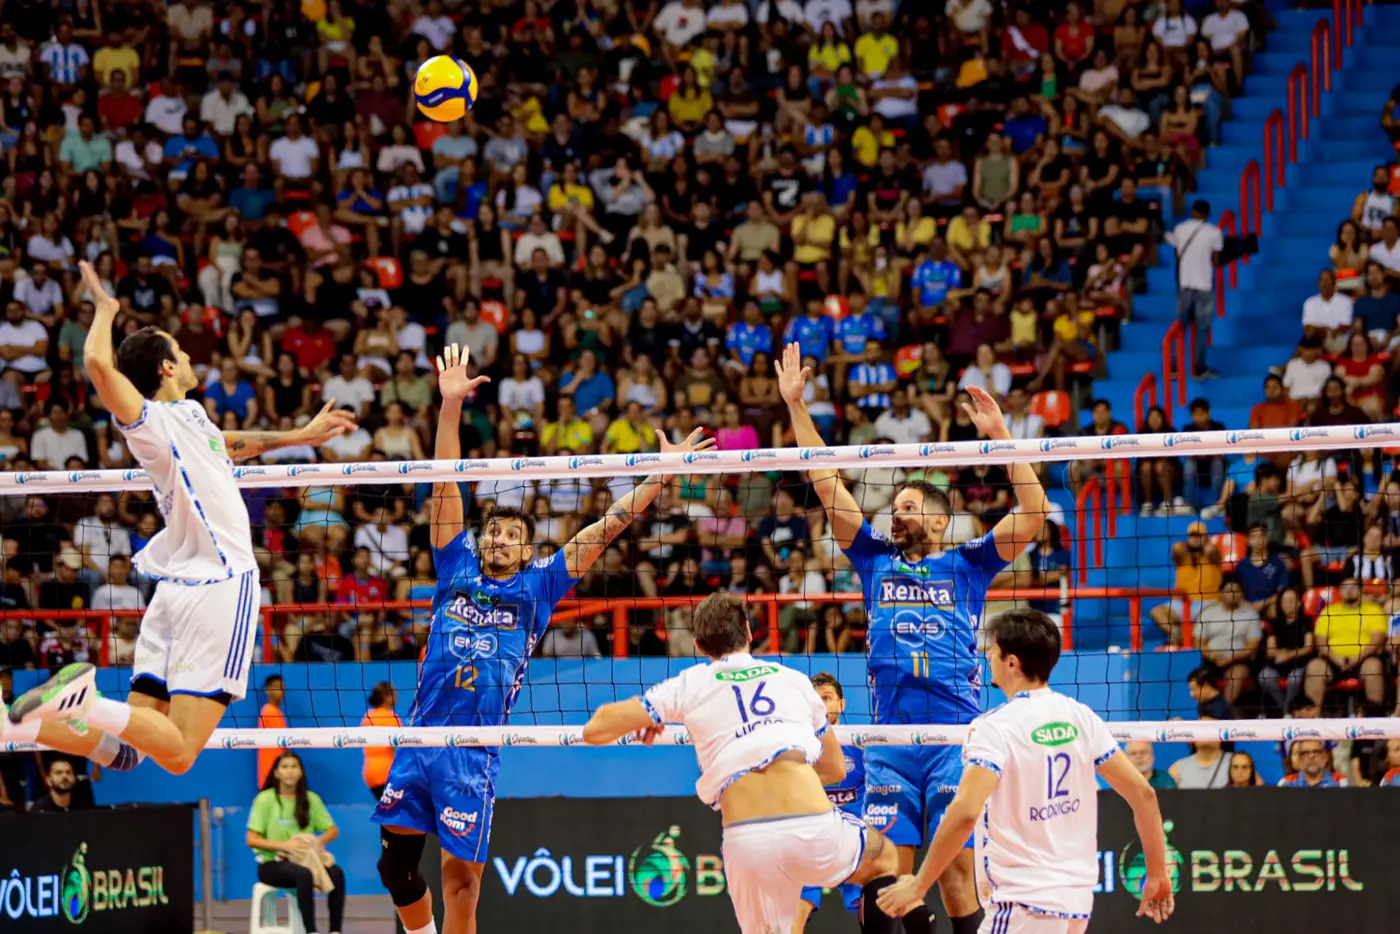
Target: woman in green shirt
(288, 822)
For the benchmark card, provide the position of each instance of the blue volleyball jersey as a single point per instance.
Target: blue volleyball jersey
(482, 635)
(922, 620)
(849, 793)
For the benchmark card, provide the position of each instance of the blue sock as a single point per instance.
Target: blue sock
(112, 753)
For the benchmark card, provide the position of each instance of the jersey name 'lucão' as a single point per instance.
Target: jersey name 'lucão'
(742, 714)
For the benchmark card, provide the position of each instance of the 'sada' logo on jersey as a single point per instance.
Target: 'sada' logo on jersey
(908, 591)
(1054, 734)
(747, 674)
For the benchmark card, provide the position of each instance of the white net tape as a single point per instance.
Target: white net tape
(1156, 731)
(953, 453)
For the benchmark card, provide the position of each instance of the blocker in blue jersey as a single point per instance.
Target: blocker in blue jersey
(848, 794)
(492, 605)
(923, 606)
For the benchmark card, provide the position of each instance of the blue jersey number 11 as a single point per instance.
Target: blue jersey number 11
(758, 705)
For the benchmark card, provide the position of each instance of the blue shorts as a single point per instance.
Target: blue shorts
(850, 894)
(449, 792)
(907, 789)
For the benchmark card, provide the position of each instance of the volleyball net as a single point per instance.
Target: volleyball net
(1162, 555)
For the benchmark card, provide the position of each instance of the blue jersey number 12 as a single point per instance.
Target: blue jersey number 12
(758, 705)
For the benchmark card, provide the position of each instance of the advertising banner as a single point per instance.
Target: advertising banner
(1266, 856)
(111, 870)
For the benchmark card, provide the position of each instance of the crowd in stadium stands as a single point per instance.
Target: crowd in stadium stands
(647, 200)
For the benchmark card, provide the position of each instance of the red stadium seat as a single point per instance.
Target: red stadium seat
(1053, 406)
(1316, 599)
(1233, 548)
(387, 270)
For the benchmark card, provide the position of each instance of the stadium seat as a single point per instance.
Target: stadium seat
(1317, 598)
(1053, 406)
(262, 916)
(388, 270)
(1233, 548)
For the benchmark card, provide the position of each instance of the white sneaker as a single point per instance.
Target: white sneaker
(65, 696)
(1146, 510)
(1163, 511)
(1210, 512)
(1180, 508)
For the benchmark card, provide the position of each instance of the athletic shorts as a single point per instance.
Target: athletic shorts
(850, 895)
(907, 789)
(450, 792)
(769, 861)
(1008, 918)
(198, 638)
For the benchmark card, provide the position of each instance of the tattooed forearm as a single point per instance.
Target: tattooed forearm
(242, 445)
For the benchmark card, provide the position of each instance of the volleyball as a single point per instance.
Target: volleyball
(445, 88)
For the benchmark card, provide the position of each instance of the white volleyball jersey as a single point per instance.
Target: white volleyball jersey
(742, 714)
(1037, 843)
(206, 536)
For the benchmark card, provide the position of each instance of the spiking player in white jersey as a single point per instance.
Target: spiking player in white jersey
(193, 654)
(1028, 790)
(765, 748)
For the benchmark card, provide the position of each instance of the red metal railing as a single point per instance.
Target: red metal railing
(1174, 363)
(98, 622)
(1089, 521)
(1227, 227)
(1144, 398)
(1299, 114)
(1251, 205)
(1322, 50)
(1274, 157)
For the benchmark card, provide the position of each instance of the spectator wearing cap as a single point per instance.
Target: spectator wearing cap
(1351, 636)
(1198, 578)
(1314, 760)
(1327, 316)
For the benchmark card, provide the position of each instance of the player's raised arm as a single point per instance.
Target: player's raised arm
(842, 511)
(328, 423)
(1021, 526)
(589, 544)
(455, 385)
(1157, 900)
(118, 394)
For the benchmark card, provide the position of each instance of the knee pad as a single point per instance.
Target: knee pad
(398, 867)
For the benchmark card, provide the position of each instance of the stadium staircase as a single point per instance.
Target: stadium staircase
(1262, 313)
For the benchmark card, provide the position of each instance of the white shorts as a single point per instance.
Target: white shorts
(769, 860)
(1008, 918)
(198, 639)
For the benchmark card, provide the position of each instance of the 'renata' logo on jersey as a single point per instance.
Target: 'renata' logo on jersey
(908, 591)
(747, 674)
(1054, 734)
(469, 610)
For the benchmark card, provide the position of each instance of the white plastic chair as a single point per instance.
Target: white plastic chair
(262, 917)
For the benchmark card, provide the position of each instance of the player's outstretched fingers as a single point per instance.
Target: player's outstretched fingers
(696, 442)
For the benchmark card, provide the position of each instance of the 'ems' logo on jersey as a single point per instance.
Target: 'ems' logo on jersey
(1054, 734)
(907, 591)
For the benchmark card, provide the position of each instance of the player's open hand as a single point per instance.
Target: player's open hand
(1157, 903)
(792, 375)
(106, 304)
(328, 423)
(986, 414)
(453, 380)
(695, 441)
(901, 898)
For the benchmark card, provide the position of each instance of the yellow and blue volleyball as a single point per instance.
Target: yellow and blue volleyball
(445, 88)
